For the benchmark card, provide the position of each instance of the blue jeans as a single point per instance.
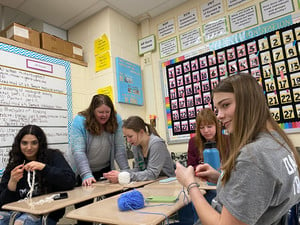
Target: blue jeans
(188, 214)
(23, 218)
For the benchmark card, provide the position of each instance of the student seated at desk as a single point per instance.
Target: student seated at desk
(208, 129)
(31, 159)
(151, 156)
(259, 182)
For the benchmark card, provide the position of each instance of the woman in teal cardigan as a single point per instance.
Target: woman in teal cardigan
(97, 140)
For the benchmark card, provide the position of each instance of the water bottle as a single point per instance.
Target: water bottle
(211, 156)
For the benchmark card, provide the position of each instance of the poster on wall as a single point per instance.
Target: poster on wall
(166, 29)
(129, 82)
(214, 29)
(243, 19)
(272, 58)
(234, 3)
(187, 19)
(271, 9)
(34, 89)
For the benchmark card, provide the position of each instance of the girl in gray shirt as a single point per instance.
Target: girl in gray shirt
(151, 156)
(259, 181)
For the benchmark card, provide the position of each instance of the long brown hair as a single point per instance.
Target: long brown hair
(207, 117)
(250, 117)
(91, 123)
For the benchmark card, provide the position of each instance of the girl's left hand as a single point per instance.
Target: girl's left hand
(34, 165)
(112, 176)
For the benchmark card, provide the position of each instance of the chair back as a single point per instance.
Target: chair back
(292, 217)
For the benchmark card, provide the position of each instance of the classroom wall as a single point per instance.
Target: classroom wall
(123, 35)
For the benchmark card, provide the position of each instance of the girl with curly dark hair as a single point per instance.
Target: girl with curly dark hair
(47, 170)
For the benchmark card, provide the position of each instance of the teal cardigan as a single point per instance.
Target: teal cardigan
(80, 139)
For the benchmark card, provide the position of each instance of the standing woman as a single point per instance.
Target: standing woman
(260, 178)
(97, 140)
(151, 156)
(31, 157)
(207, 129)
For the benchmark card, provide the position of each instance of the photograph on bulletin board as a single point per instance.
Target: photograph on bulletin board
(272, 58)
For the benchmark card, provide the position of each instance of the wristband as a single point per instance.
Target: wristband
(191, 185)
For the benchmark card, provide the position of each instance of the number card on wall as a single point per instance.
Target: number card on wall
(273, 59)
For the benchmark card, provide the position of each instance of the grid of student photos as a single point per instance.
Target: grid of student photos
(272, 58)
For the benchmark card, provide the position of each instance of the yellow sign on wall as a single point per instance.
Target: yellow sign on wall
(101, 45)
(102, 61)
(106, 91)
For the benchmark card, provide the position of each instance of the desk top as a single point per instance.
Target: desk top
(134, 184)
(78, 194)
(175, 183)
(107, 211)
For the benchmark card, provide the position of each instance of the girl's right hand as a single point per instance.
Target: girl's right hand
(17, 173)
(207, 173)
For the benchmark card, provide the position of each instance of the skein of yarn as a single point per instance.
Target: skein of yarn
(131, 200)
(124, 178)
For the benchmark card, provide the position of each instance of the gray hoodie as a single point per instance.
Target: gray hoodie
(157, 163)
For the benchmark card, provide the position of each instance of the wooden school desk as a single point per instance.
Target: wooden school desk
(175, 183)
(107, 211)
(134, 184)
(76, 195)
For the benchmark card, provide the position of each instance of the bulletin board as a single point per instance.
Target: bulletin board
(34, 89)
(272, 58)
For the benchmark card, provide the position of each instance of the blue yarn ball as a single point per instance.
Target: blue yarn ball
(131, 200)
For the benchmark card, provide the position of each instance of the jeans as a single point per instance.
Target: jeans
(23, 219)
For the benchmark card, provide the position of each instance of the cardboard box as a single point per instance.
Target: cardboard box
(77, 52)
(22, 34)
(68, 49)
(52, 43)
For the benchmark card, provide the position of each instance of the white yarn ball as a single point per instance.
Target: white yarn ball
(124, 178)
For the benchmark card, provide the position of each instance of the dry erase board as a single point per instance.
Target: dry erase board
(34, 89)
(273, 58)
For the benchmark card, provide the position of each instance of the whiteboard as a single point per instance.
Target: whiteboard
(34, 89)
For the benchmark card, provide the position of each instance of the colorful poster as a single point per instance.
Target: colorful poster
(129, 82)
(272, 58)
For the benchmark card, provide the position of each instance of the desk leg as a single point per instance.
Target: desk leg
(12, 218)
(44, 219)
